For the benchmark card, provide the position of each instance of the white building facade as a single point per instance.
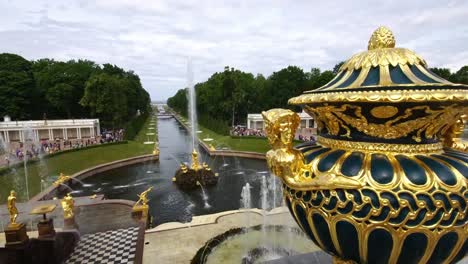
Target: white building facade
(255, 121)
(38, 130)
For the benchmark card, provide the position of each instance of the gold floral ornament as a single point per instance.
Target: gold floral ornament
(68, 205)
(381, 38)
(288, 163)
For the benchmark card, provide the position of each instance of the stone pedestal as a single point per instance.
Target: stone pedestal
(140, 212)
(46, 228)
(70, 223)
(16, 236)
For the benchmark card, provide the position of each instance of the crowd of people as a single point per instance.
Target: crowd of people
(306, 138)
(18, 151)
(243, 131)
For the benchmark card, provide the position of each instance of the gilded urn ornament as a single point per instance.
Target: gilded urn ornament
(386, 181)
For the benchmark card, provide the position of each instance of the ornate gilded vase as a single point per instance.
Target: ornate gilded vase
(383, 183)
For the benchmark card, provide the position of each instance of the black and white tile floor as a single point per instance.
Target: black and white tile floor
(115, 246)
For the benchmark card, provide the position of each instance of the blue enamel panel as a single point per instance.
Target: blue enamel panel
(323, 233)
(352, 164)
(421, 75)
(335, 80)
(329, 160)
(462, 168)
(310, 157)
(413, 249)
(413, 171)
(350, 79)
(397, 75)
(443, 248)
(373, 77)
(379, 246)
(441, 170)
(381, 169)
(461, 254)
(302, 221)
(348, 239)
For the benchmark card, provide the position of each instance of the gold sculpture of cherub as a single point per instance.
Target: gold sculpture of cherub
(288, 163)
(68, 205)
(143, 197)
(12, 210)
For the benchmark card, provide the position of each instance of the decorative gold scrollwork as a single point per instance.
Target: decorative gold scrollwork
(335, 118)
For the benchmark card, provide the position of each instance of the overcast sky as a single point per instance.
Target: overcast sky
(155, 38)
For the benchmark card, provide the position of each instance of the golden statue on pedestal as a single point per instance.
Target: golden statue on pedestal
(61, 179)
(68, 205)
(195, 162)
(12, 210)
(143, 198)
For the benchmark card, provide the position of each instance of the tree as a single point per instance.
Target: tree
(461, 76)
(61, 97)
(105, 97)
(337, 67)
(17, 89)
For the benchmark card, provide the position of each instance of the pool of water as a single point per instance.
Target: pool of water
(167, 202)
(254, 245)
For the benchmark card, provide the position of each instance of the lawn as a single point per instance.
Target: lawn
(235, 143)
(71, 162)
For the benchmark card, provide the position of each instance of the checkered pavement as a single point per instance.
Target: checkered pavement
(115, 246)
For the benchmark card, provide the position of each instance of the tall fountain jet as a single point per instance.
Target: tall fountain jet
(198, 174)
(192, 106)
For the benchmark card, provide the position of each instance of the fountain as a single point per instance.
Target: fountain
(188, 177)
(192, 106)
(386, 181)
(205, 196)
(185, 177)
(246, 201)
(246, 245)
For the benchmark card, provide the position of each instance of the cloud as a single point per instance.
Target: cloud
(155, 38)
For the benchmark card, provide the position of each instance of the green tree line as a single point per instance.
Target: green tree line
(227, 97)
(52, 89)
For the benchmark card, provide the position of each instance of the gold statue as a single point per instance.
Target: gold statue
(453, 136)
(61, 179)
(288, 163)
(183, 168)
(195, 162)
(143, 197)
(12, 210)
(156, 151)
(205, 166)
(68, 205)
